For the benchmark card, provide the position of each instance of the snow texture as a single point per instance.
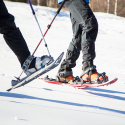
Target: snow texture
(40, 103)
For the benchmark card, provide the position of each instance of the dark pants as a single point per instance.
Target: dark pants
(12, 34)
(85, 29)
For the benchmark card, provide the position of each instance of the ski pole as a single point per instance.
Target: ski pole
(48, 27)
(38, 26)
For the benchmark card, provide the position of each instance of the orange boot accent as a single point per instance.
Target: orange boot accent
(66, 80)
(94, 78)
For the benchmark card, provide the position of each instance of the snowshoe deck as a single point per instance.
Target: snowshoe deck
(53, 81)
(78, 85)
(27, 79)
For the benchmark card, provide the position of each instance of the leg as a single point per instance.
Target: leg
(12, 34)
(84, 16)
(88, 23)
(73, 51)
(83, 19)
(74, 48)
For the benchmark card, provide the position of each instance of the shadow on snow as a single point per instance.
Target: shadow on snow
(97, 91)
(14, 95)
(104, 90)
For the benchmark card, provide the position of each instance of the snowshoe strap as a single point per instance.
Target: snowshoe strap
(27, 63)
(63, 74)
(88, 70)
(76, 80)
(59, 79)
(49, 79)
(102, 75)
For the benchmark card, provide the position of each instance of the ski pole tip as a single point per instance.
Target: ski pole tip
(8, 90)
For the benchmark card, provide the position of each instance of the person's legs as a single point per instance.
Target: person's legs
(86, 20)
(85, 28)
(12, 34)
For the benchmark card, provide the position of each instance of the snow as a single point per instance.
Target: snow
(40, 103)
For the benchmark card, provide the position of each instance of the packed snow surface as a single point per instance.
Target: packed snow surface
(40, 103)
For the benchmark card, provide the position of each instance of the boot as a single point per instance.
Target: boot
(33, 64)
(64, 76)
(92, 76)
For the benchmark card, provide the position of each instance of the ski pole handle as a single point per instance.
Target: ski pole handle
(61, 6)
(57, 13)
(31, 7)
